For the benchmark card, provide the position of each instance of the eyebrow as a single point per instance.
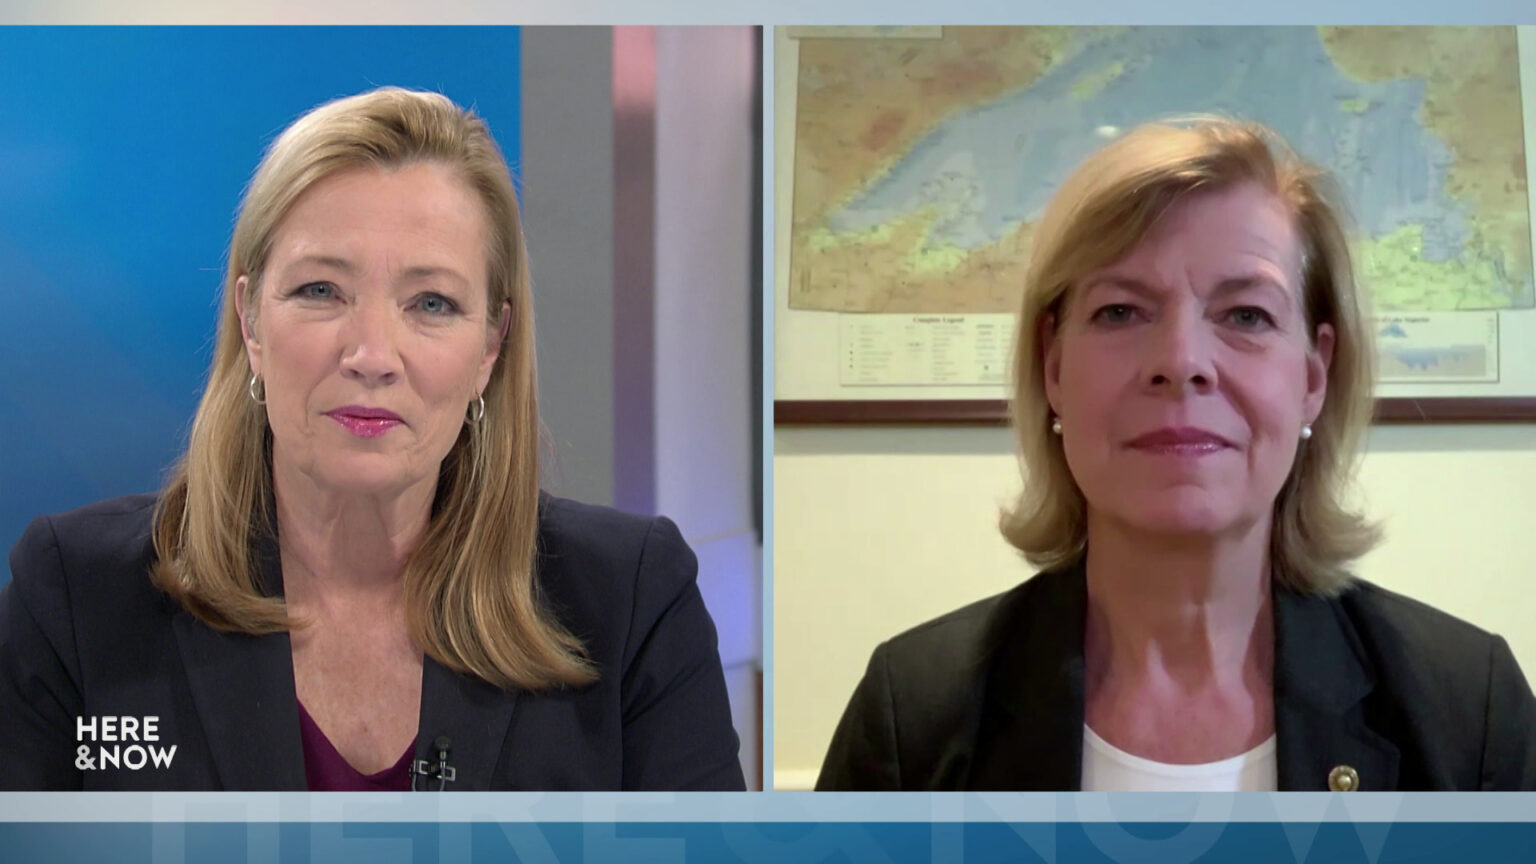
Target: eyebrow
(347, 267)
(1234, 284)
(1126, 283)
(1229, 285)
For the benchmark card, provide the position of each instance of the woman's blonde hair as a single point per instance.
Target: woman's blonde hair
(470, 592)
(1097, 217)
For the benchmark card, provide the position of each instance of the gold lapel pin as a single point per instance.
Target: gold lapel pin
(1343, 778)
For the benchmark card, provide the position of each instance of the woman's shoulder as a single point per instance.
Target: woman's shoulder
(914, 717)
(1425, 660)
(1398, 627)
(1422, 653)
(940, 642)
(1448, 690)
(107, 512)
(564, 520)
(948, 660)
(597, 560)
(973, 631)
(602, 541)
(928, 682)
(97, 542)
(87, 570)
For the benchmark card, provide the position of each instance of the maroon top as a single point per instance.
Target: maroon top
(326, 771)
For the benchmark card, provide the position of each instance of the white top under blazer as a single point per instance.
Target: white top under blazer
(1107, 768)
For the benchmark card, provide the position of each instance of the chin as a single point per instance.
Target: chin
(1185, 513)
(371, 475)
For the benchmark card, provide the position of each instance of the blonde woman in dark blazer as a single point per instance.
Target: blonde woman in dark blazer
(352, 580)
(1192, 379)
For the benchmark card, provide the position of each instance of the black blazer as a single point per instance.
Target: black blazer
(991, 697)
(84, 633)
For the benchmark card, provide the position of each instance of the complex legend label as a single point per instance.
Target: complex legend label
(923, 350)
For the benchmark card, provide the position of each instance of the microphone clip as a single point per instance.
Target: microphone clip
(440, 771)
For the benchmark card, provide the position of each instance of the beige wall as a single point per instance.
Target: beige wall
(880, 529)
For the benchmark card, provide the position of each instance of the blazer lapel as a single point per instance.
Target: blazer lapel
(242, 687)
(1030, 734)
(474, 716)
(1321, 678)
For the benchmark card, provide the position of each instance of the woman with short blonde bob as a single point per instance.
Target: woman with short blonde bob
(352, 579)
(1192, 380)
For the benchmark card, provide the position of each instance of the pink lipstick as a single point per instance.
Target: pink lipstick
(365, 422)
(1180, 441)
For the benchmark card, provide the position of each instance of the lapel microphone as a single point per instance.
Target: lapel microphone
(441, 771)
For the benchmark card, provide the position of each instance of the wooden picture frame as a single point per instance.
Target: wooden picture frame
(994, 412)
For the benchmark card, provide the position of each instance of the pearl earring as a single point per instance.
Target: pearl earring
(1056, 425)
(1306, 431)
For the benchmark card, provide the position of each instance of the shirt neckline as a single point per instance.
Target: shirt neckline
(1231, 764)
(335, 757)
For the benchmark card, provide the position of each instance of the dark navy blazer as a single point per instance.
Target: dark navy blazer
(83, 632)
(990, 697)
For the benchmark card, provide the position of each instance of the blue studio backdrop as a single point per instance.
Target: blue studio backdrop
(123, 155)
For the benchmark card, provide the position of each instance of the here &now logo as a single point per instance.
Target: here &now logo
(120, 742)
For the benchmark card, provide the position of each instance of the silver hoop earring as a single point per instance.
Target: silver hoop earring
(477, 409)
(251, 389)
(1056, 425)
(1306, 431)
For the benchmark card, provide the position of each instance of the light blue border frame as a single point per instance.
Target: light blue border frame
(1302, 808)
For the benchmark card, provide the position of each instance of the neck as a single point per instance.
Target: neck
(335, 544)
(1193, 610)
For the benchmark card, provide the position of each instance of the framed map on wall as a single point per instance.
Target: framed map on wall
(912, 164)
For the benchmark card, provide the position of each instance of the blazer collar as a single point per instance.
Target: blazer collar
(1030, 732)
(243, 689)
(1030, 735)
(1322, 678)
(474, 716)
